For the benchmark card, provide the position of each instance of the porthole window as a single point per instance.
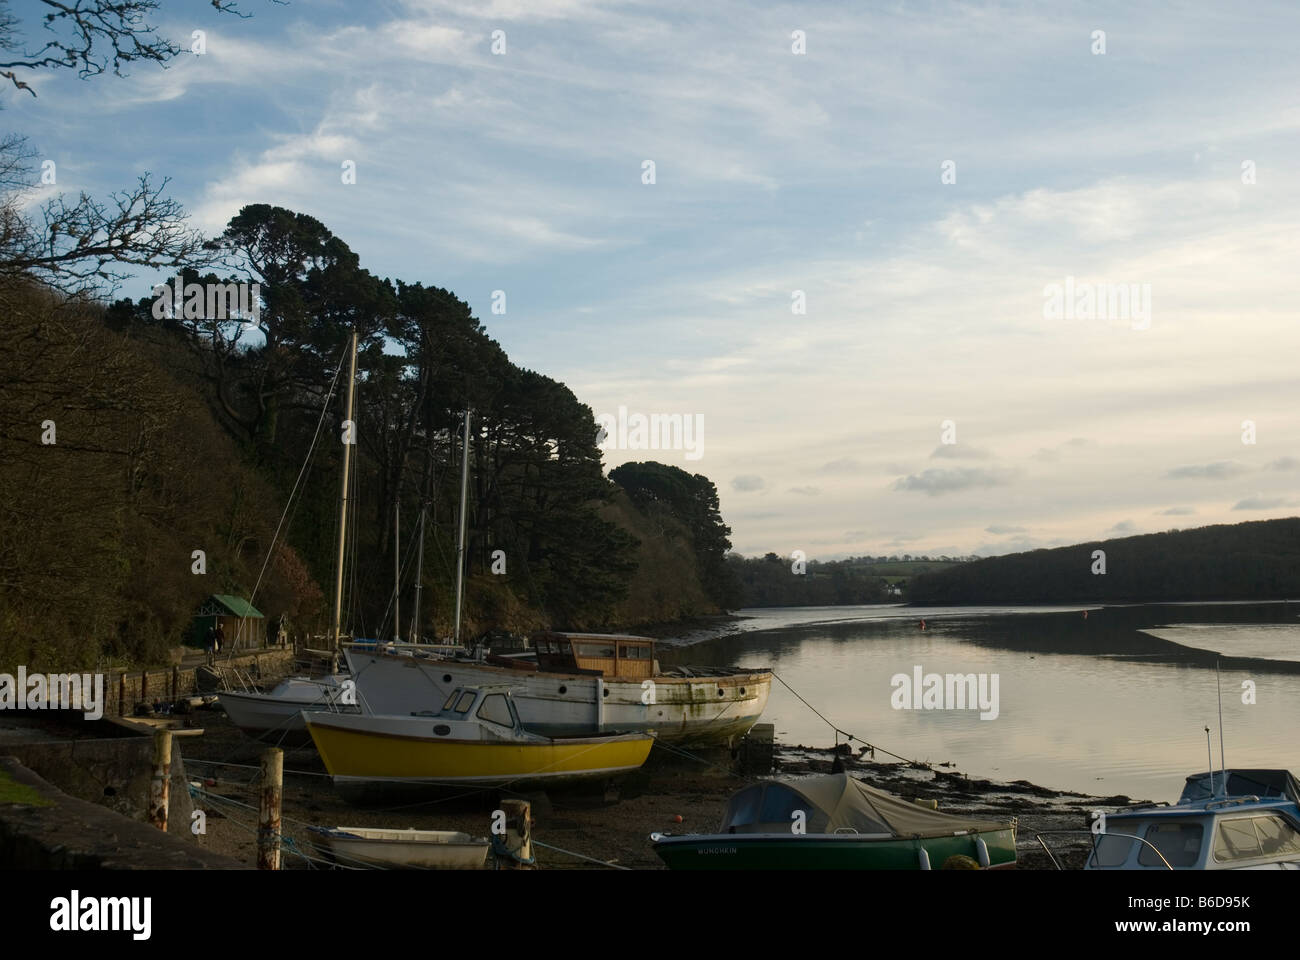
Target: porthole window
(563, 689)
(446, 678)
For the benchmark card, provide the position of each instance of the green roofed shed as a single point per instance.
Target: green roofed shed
(241, 622)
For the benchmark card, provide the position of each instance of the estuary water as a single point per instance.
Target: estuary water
(1111, 702)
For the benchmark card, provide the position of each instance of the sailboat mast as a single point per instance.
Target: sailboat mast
(419, 576)
(397, 573)
(460, 533)
(348, 440)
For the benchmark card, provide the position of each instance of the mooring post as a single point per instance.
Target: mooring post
(144, 686)
(121, 694)
(176, 682)
(268, 821)
(159, 787)
(519, 835)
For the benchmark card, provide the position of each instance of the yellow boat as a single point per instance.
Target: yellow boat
(475, 739)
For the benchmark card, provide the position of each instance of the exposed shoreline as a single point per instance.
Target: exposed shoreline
(669, 786)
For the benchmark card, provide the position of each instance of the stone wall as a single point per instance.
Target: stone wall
(43, 828)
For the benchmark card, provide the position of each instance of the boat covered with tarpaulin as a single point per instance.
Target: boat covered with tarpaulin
(837, 822)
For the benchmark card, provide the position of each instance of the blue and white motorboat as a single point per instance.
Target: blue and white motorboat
(1225, 820)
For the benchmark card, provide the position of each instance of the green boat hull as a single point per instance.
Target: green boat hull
(828, 851)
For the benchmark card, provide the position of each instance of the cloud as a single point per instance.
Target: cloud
(1046, 455)
(1219, 470)
(1001, 529)
(1263, 503)
(949, 480)
(1283, 463)
(1178, 512)
(960, 451)
(1124, 526)
(806, 491)
(747, 483)
(843, 465)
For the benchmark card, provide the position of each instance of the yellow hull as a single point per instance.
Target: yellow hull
(356, 755)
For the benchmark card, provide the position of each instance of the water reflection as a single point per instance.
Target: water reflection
(1093, 704)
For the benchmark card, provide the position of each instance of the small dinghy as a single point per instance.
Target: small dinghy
(400, 849)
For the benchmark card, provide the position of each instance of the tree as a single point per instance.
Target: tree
(82, 244)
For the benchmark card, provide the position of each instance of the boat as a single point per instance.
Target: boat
(278, 712)
(401, 849)
(476, 739)
(1234, 819)
(837, 822)
(574, 684)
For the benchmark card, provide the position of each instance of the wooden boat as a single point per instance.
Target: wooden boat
(401, 849)
(476, 739)
(575, 684)
(1229, 820)
(846, 824)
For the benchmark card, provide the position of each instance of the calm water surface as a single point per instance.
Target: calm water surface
(1112, 703)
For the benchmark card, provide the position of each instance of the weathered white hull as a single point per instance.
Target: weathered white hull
(280, 710)
(676, 709)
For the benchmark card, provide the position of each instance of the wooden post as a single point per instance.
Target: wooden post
(144, 686)
(176, 683)
(519, 835)
(268, 821)
(159, 787)
(121, 694)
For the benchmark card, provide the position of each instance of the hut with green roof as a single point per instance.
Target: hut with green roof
(242, 623)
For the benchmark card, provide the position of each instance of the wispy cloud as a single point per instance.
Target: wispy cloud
(1219, 470)
(939, 481)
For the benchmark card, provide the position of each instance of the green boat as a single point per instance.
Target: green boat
(836, 822)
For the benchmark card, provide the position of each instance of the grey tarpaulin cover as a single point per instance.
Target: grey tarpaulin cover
(838, 802)
(1241, 783)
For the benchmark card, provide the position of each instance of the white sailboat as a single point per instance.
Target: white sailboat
(578, 684)
(277, 714)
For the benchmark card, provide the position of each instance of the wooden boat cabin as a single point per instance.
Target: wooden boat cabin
(606, 655)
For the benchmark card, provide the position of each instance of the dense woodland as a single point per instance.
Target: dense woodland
(1258, 560)
(132, 440)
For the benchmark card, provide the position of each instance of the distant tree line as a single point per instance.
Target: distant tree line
(772, 581)
(1256, 560)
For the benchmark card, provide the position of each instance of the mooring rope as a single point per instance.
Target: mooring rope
(849, 736)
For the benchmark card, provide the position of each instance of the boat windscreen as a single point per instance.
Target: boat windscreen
(1179, 843)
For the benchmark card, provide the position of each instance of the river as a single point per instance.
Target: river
(1114, 702)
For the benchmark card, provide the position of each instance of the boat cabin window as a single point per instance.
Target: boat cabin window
(1237, 840)
(588, 649)
(496, 710)
(634, 651)
(1111, 850)
(451, 699)
(1277, 836)
(1179, 843)
(1255, 837)
(464, 700)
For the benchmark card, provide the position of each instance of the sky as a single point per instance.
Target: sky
(878, 265)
